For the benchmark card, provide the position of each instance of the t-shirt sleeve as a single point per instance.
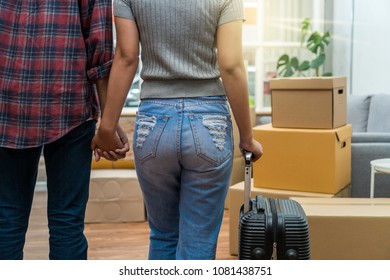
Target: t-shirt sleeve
(122, 9)
(231, 10)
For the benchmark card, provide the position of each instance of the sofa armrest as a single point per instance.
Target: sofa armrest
(370, 137)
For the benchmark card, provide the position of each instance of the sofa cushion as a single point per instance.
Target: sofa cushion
(379, 115)
(357, 111)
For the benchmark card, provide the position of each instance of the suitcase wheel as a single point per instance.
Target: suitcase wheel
(292, 254)
(258, 254)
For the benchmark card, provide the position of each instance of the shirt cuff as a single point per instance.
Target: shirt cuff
(100, 71)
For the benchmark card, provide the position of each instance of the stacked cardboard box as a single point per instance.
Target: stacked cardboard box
(309, 102)
(312, 160)
(308, 145)
(114, 196)
(307, 149)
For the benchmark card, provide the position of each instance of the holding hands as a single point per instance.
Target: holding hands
(111, 144)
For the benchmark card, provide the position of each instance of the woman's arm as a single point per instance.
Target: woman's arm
(122, 73)
(233, 74)
(101, 85)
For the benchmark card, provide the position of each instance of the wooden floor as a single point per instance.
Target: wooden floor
(115, 241)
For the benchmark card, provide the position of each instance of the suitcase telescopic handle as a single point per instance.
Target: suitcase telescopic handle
(247, 182)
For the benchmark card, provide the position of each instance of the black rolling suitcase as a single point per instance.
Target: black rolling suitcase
(271, 228)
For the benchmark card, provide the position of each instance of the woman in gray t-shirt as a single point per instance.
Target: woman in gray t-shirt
(192, 67)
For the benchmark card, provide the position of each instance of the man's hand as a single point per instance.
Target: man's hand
(112, 145)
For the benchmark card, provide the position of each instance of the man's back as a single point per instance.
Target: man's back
(50, 52)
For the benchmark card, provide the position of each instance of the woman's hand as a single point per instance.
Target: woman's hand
(112, 145)
(252, 146)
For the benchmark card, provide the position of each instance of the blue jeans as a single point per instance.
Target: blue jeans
(68, 163)
(183, 156)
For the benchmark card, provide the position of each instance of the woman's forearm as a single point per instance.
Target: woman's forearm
(121, 77)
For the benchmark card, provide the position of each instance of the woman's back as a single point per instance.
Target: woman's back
(178, 38)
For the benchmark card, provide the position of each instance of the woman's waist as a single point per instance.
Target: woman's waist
(190, 105)
(181, 88)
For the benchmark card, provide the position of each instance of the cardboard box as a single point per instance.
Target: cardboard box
(348, 228)
(114, 196)
(309, 102)
(237, 199)
(311, 160)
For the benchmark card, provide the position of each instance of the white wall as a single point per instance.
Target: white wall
(371, 60)
(361, 50)
(341, 39)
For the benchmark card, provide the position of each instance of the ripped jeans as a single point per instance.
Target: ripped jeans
(183, 150)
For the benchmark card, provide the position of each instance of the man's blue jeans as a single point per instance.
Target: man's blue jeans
(183, 155)
(68, 162)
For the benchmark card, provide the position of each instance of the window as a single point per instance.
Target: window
(272, 28)
(358, 48)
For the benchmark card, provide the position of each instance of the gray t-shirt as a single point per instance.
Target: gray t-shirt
(178, 43)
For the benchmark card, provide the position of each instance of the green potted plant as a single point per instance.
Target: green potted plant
(314, 42)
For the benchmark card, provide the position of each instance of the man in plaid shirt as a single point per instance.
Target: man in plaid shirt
(54, 54)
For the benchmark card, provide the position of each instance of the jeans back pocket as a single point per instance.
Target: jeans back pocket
(212, 136)
(147, 132)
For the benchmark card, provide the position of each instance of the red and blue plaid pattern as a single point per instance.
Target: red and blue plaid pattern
(51, 52)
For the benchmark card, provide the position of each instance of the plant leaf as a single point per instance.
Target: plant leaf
(288, 73)
(294, 63)
(283, 60)
(317, 62)
(305, 28)
(286, 67)
(304, 66)
(317, 42)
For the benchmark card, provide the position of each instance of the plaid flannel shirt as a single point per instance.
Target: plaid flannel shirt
(51, 52)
